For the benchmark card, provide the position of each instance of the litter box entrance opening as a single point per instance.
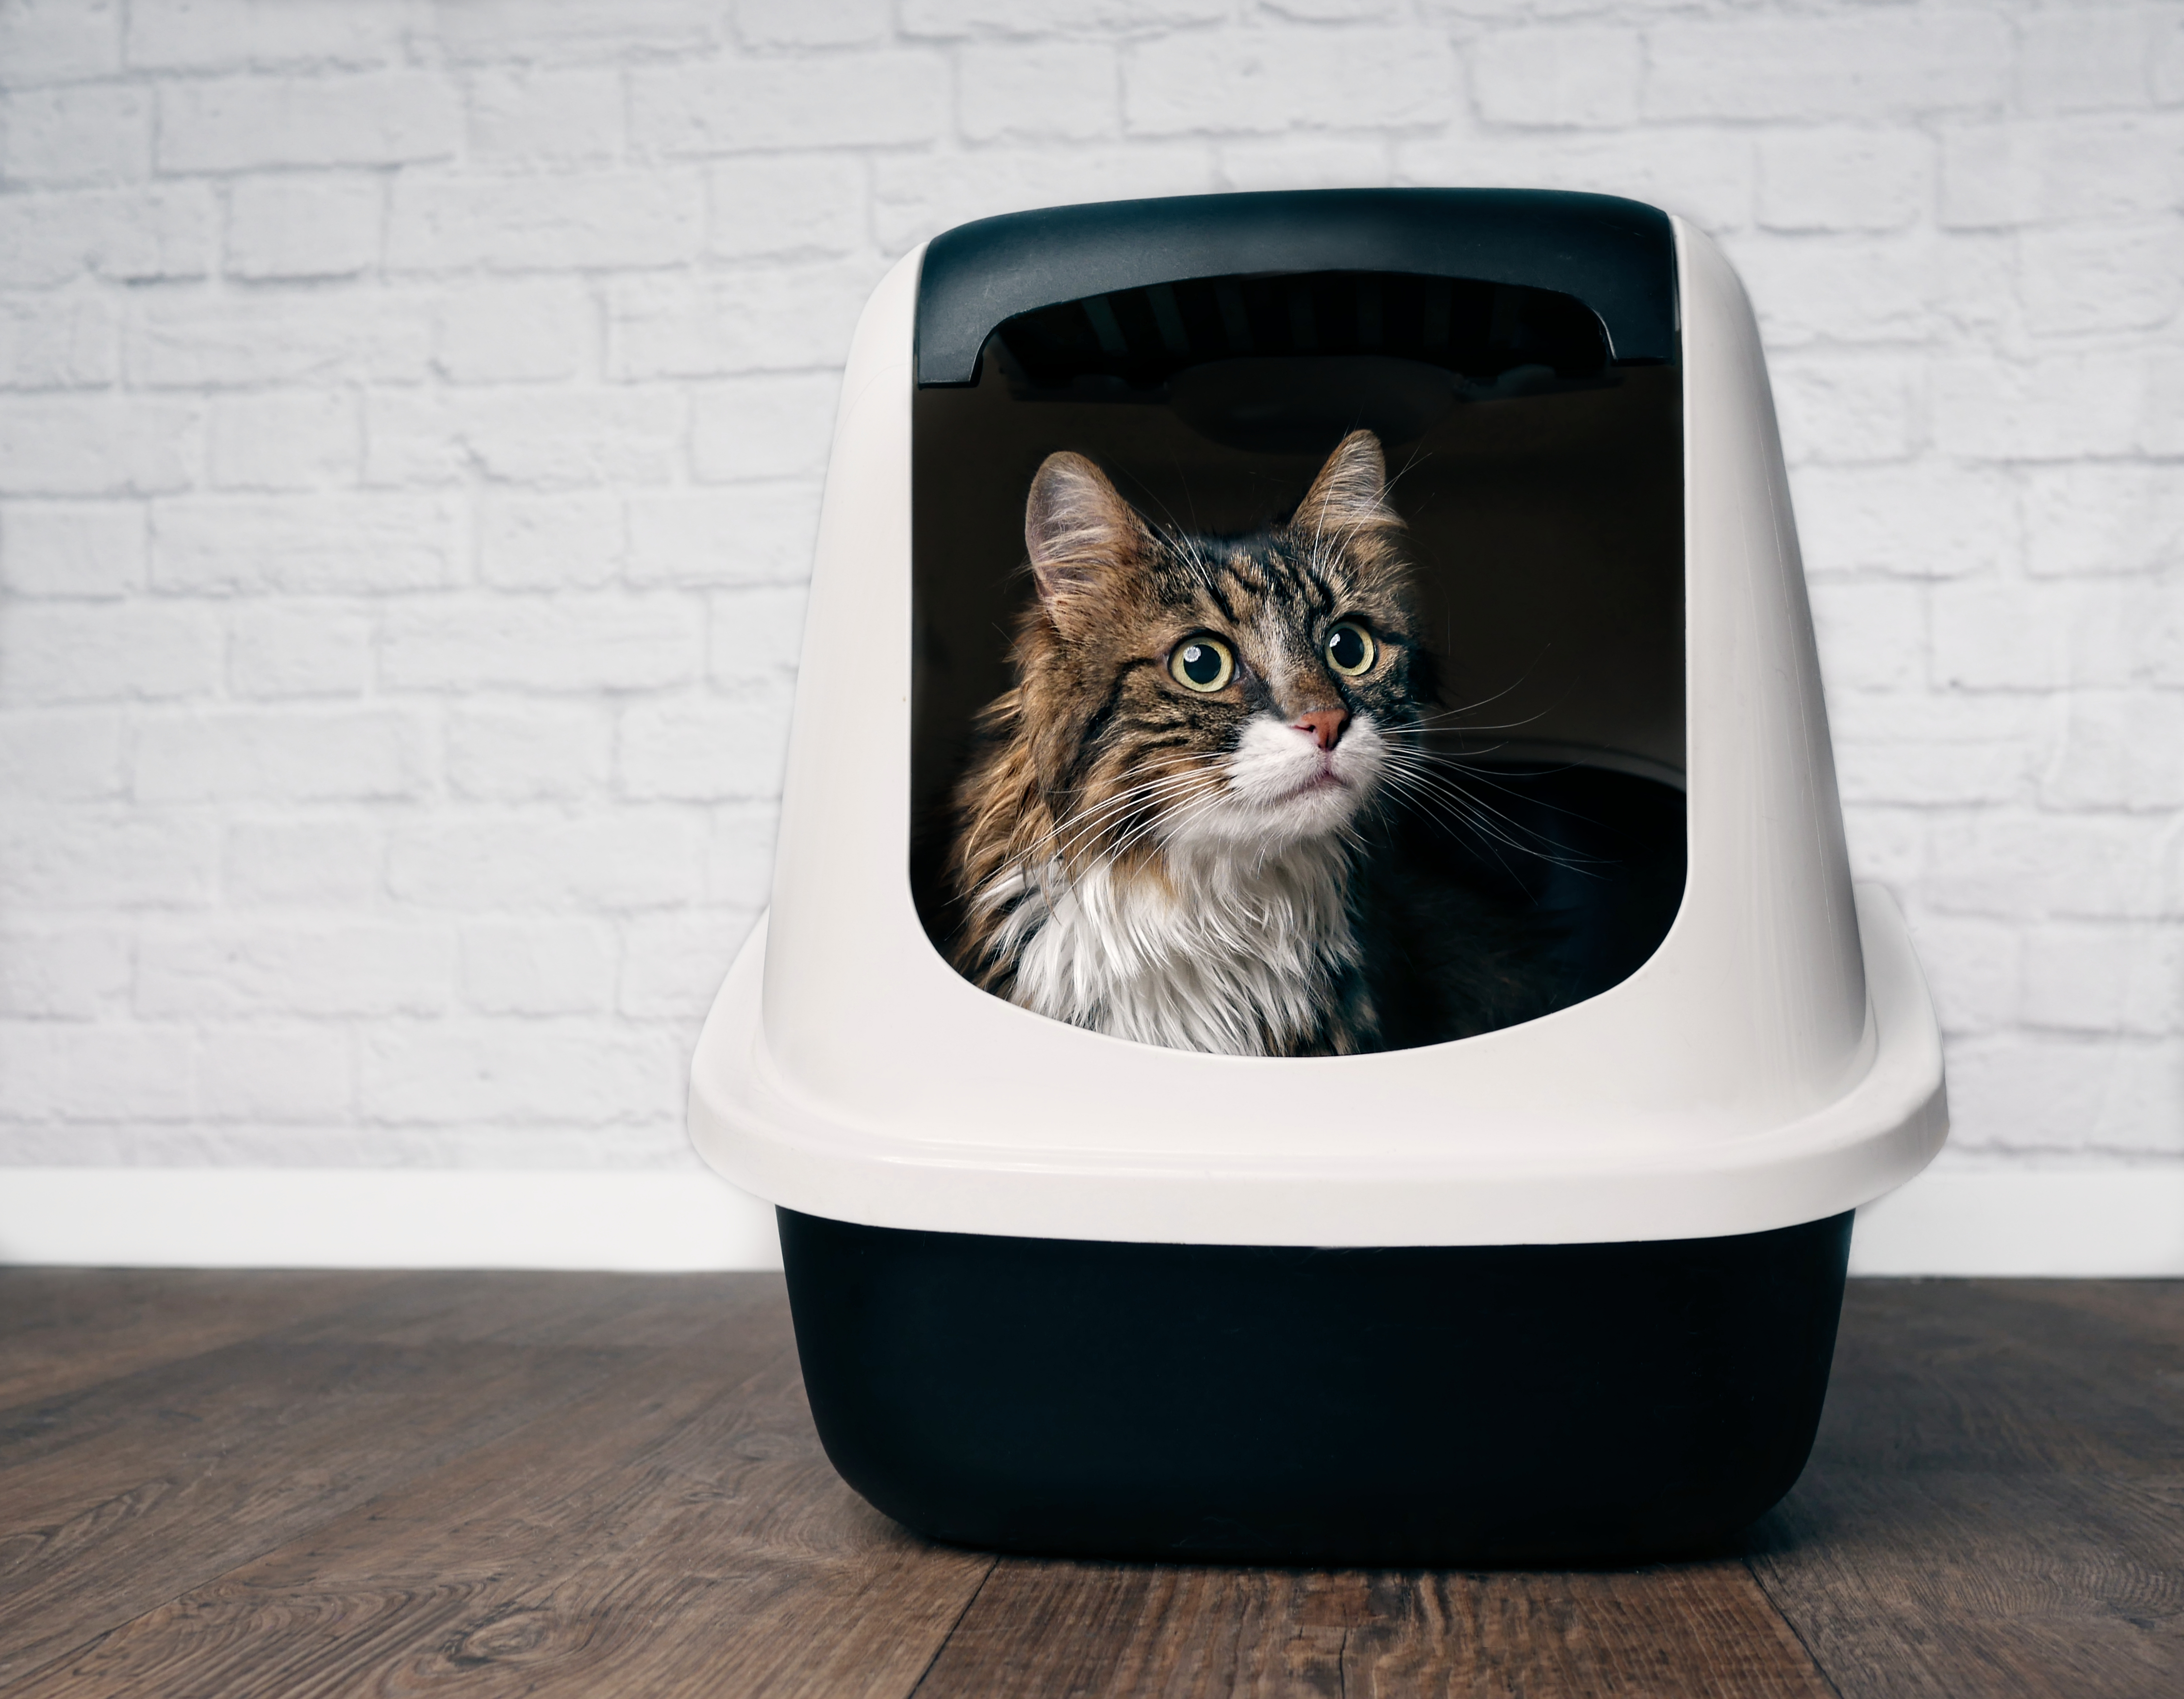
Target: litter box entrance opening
(1542, 481)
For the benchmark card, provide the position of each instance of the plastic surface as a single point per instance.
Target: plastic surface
(1776, 1059)
(1522, 1404)
(1612, 254)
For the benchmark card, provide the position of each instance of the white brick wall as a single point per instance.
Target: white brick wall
(411, 417)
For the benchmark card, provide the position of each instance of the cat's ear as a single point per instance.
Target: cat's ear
(1079, 531)
(1350, 496)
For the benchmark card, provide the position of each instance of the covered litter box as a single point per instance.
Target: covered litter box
(1564, 1290)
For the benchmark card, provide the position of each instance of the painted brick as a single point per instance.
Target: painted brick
(794, 205)
(1306, 162)
(291, 440)
(764, 426)
(536, 751)
(2120, 749)
(1993, 635)
(536, 542)
(2060, 407)
(783, 318)
(107, 652)
(1866, 64)
(2126, 166)
(706, 750)
(1872, 633)
(630, 858)
(515, 1071)
(1577, 78)
(739, 855)
(285, 754)
(303, 226)
(64, 973)
(55, 857)
(554, 437)
(752, 534)
(58, 41)
(61, 754)
(2083, 57)
(105, 1072)
(2091, 279)
(2009, 866)
(2088, 978)
(2166, 60)
(573, 644)
(95, 133)
(2098, 519)
(1704, 174)
(298, 649)
(671, 966)
(796, 24)
(238, 124)
(538, 967)
(510, 331)
(299, 1074)
(1840, 289)
(527, 117)
(310, 864)
(90, 549)
(101, 445)
(128, 236)
(586, 32)
(1972, 967)
(946, 18)
(59, 340)
(1841, 179)
(268, 968)
(917, 196)
(755, 636)
(307, 544)
(310, 336)
(2045, 1093)
(731, 106)
(1844, 409)
(224, 35)
(1928, 521)
(1260, 81)
(1043, 90)
(546, 224)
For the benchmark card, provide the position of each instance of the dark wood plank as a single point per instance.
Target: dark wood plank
(1694, 1630)
(64, 1328)
(678, 1532)
(1995, 1499)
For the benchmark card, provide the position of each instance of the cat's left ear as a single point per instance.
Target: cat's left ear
(1349, 498)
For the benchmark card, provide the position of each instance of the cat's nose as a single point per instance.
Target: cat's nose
(1325, 724)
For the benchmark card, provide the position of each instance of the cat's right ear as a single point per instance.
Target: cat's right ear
(1079, 533)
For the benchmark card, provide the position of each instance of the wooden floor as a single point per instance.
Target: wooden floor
(242, 1485)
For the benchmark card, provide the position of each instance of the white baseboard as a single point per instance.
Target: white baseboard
(632, 1220)
(2038, 1222)
(2029, 1221)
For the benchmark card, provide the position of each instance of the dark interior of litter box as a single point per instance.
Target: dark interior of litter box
(1542, 481)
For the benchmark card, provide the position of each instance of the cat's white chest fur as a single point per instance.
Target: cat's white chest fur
(1232, 954)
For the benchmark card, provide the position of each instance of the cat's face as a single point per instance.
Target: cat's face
(1240, 694)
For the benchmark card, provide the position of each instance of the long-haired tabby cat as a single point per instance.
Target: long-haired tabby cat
(1180, 829)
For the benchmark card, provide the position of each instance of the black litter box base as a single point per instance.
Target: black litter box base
(1480, 1405)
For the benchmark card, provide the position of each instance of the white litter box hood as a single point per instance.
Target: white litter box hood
(1776, 1061)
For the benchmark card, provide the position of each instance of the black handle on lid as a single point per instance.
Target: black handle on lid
(1617, 256)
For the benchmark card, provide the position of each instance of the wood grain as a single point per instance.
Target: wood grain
(1697, 1630)
(62, 1328)
(679, 1531)
(607, 1485)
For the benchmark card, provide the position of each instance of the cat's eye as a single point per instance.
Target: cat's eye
(1351, 649)
(1202, 663)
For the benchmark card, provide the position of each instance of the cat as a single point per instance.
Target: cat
(1184, 827)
